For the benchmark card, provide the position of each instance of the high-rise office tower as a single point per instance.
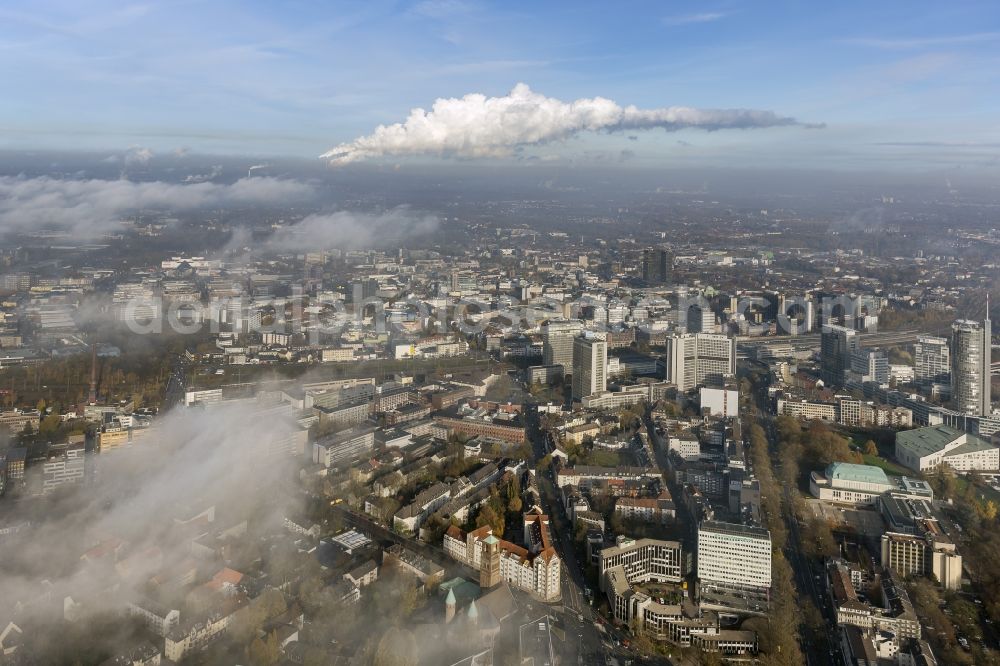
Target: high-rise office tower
(931, 362)
(732, 556)
(557, 343)
(970, 366)
(657, 266)
(590, 361)
(870, 365)
(837, 344)
(700, 319)
(699, 358)
(364, 289)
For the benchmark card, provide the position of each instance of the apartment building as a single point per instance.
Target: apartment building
(534, 569)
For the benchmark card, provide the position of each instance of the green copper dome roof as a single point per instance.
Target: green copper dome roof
(852, 472)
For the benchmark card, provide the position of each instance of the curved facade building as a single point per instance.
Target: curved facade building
(970, 367)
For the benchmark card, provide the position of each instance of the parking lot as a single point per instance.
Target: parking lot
(866, 522)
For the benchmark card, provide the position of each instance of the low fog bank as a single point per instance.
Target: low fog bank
(129, 530)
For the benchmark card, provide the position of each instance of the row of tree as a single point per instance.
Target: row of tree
(779, 637)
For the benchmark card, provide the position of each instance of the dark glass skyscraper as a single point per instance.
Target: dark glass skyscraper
(657, 266)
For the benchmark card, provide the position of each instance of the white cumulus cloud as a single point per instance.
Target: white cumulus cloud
(479, 126)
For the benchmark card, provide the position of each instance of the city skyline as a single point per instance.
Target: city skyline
(468, 333)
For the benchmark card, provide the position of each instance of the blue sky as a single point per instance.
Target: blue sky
(898, 84)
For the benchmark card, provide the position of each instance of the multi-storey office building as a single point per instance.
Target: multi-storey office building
(628, 565)
(699, 358)
(344, 446)
(870, 365)
(931, 362)
(557, 343)
(66, 464)
(927, 554)
(590, 360)
(657, 265)
(644, 560)
(837, 344)
(732, 556)
(970, 367)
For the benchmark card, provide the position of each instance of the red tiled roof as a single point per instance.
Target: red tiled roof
(223, 577)
(513, 550)
(481, 532)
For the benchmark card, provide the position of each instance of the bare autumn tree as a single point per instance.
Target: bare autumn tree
(396, 648)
